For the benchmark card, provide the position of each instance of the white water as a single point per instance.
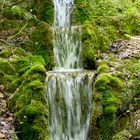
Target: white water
(69, 96)
(63, 11)
(67, 47)
(69, 88)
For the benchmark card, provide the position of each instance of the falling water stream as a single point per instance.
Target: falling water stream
(69, 87)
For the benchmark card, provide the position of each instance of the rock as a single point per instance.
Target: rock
(3, 123)
(1, 88)
(1, 96)
(2, 136)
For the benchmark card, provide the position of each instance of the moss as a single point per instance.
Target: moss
(109, 98)
(136, 132)
(28, 102)
(34, 109)
(44, 10)
(36, 85)
(110, 109)
(5, 53)
(22, 63)
(7, 67)
(11, 82)
(100, 32)
(122, 123)
(42, 36)
(107, 87)
(104, 80)
(21, 101)
(107, 126)
(30, 132)
(24, 69)
(123, 135)
(20, 52)
(38, 68)
(37, 59)
(27, 118)
(103, 68)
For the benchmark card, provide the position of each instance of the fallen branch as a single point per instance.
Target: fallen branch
(17, 3)
(18, 32)
(6, 42)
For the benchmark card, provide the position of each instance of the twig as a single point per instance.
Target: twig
(6, 42)
(18, 32)
(17, 3)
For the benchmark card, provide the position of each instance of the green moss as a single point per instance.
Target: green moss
(136, 132)
(35, 109)
(107, 126)
(104, 80)
(122, 123)
(123, 135)
(29, 120)
(30, 131)
(110, 109)
(21, 101)
(6, 66)
(42, 36)
(28, 102)
(102, 68)
(36, 85)
(22, 63)
(5, 53)
(37, 59)
(20, 52)
(24, 69)
(38, 68)
(11, 82)
(44, 10)
(109, 98)
(100, 32)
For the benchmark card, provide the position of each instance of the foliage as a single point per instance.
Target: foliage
(89, 9)
(100, 32)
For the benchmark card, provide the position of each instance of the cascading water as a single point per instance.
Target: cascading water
(69, 88)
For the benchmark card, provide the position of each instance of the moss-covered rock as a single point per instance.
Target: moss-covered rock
(105, 80)
(29, 103)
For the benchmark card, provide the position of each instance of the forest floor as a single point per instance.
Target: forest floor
(6, 119)
(121, 49)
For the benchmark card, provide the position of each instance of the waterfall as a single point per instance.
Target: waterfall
(69, 87)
